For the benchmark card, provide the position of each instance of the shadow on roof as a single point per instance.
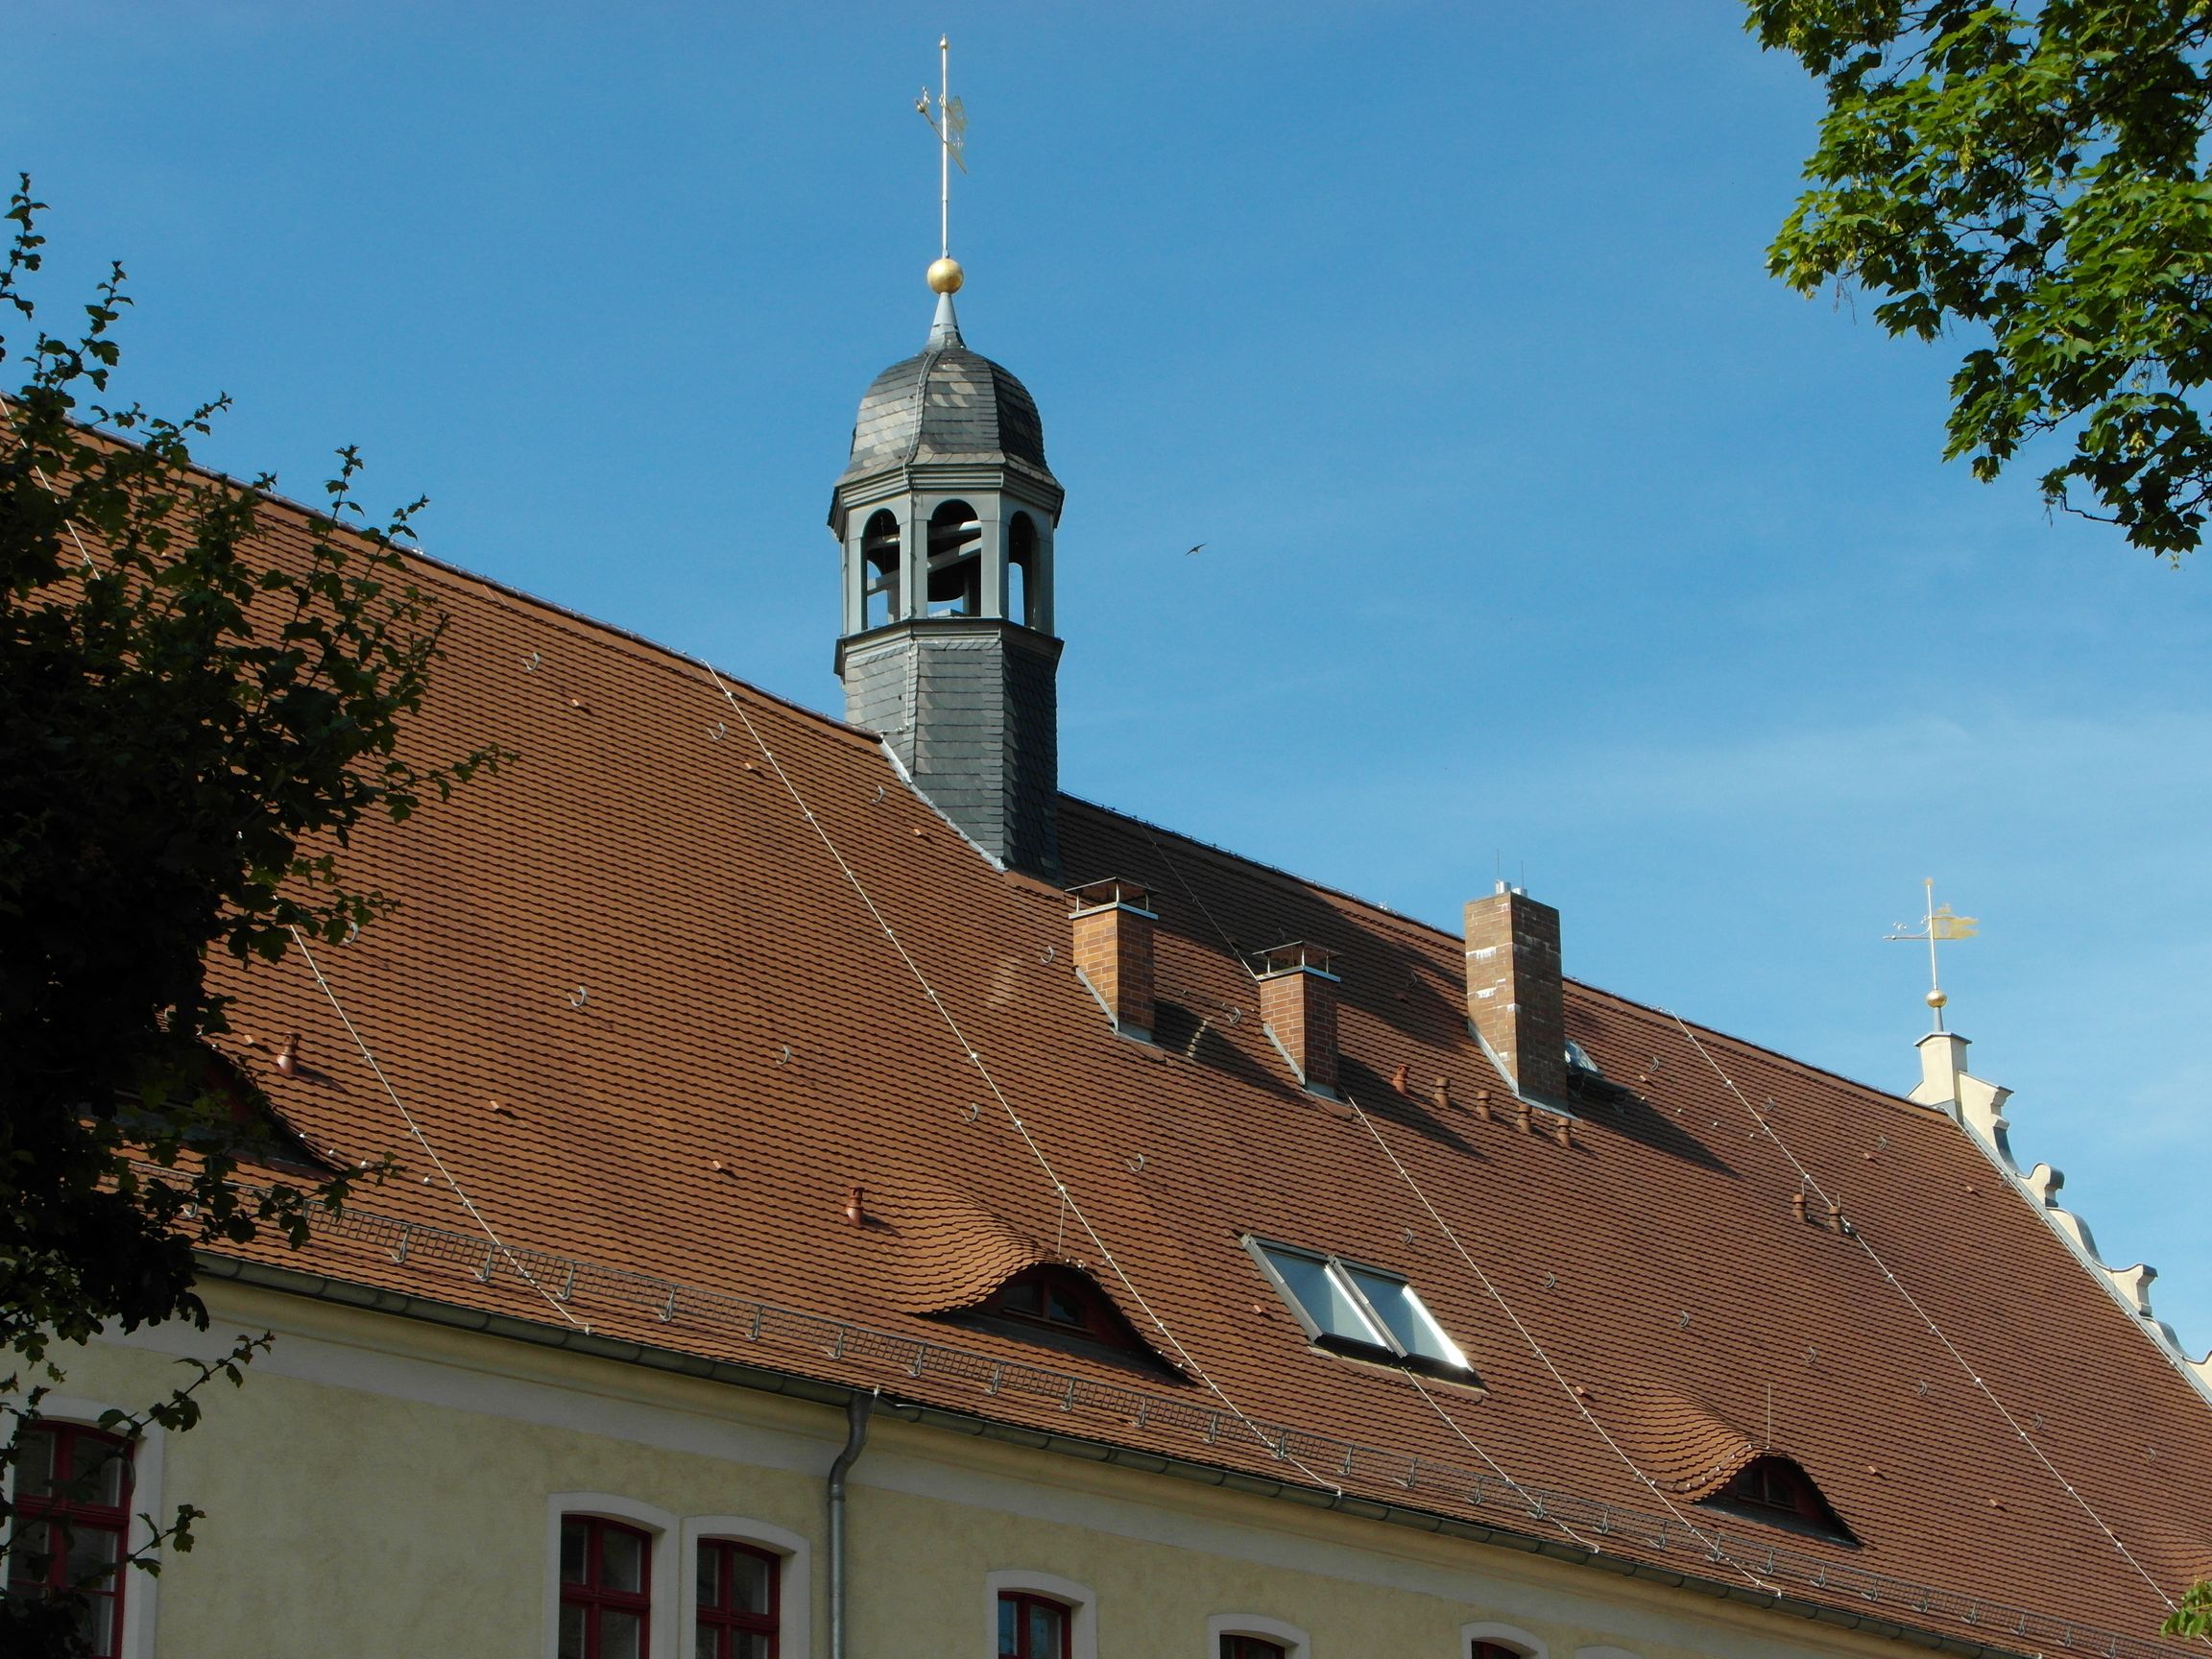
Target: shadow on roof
(1378, 1099)
(1638, 1121)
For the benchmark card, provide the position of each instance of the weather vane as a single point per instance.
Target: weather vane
(949, 122)
(1937, 924)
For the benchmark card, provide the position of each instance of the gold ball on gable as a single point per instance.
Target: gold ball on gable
(946, 276)
(1937, 999)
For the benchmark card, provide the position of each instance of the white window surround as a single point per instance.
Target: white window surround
(1503, 1635)
(795, 1592)
(664, 1628)
(141, 1591)
(1083, 1606)
(1291, 1639)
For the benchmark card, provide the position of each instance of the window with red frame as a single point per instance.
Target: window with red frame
(606, 1588)
(1063, 1299)
(1252, 1647)
(72, 1520)
(1031, 1627)
(740, 1600)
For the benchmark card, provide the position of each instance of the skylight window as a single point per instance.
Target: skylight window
(1318, 1289)
(1367, 1311)
(1410, 1324)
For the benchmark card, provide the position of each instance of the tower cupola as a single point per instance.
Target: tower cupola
(944, 518)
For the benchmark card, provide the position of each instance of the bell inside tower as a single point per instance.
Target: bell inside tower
(956, 561)
(880, 559)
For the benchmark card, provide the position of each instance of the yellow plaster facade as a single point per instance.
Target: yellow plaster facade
(382, 1487)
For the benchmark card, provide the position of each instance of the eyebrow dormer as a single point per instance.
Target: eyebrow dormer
(951, 1255)
(1063, 1299)
(1060, 1304)
(1776, 1490)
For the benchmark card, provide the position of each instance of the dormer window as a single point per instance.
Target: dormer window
(1057, 1296)
(1367, 1312)
(956, 561)
(1777, 1490)
(1049, 1300)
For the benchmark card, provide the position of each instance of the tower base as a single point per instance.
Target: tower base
(971, 707)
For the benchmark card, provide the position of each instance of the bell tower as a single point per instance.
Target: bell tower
(944, 518)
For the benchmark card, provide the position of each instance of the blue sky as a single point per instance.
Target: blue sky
(1587, 553)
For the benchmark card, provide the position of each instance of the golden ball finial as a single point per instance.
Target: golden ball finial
(1937, 999)
(946, 276)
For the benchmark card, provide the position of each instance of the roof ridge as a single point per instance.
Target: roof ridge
(1249, 862)
(413, 551)
(1419, 924)
(669, 656)
(1889, 1096)
(931, 353)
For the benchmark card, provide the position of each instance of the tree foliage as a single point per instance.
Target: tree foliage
(189, 730)
(2193, 1617)
(2034, 175)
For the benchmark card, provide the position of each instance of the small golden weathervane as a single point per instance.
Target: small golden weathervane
(1936, 925)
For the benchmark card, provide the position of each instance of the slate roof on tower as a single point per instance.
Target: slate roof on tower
(698, 974)
(946, 404)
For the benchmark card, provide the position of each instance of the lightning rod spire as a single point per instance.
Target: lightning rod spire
(949, 122)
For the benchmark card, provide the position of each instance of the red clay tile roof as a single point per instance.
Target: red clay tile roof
(1684, 1445)
(637, 939)
(951, 1249)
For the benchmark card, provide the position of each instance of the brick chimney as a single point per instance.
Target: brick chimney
(1298, 1004)
(1113, 926)
(1513, 996)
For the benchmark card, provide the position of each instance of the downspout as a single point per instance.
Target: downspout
(856, 1412)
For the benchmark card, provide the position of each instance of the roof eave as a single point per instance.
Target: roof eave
(867, 487)
(791, 1384)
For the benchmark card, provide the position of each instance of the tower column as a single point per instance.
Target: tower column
(990, 518)
(1040, 578)
(855, 583)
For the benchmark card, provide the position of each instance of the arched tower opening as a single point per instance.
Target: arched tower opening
(956, 561)
(880, 569)
(1020, 571)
